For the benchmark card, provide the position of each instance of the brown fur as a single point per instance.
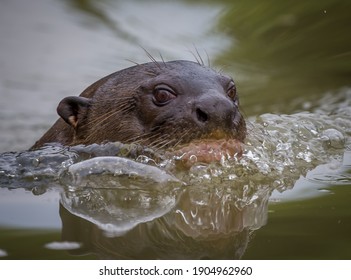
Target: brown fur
(121, 107)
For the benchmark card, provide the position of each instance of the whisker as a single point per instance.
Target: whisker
(99, 120)
(132, 61)
(116, 97)
(150, 73)
(151, 57)
(164, 63)
(157, 140)
(198, 54)
(208, 59)
(166, 143)
(172, 141)
(195, 57)
(145, 137)
(181, 139)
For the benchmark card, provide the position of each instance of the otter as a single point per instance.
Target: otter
(157, 104)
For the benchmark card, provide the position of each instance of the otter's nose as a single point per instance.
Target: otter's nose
(214, 110)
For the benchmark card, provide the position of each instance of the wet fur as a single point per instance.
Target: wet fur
(114, 112)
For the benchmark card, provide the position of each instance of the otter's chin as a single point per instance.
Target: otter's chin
(208, 150)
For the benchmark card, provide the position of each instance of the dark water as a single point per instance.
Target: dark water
(288, 197)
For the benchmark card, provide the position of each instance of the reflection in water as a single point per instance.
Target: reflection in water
(132, 210)
(135, 23)
(153, 218)
(290, 52)
(117, 193)
(92, 9)
(191, 230)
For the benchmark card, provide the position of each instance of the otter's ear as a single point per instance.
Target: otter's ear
(70, 107)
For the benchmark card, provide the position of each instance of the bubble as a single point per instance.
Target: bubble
(333, 138)
(306, 156)
(193, 159)
(276, 184)
(36, 162)
(67, 163)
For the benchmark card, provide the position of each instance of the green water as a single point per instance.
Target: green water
(317, 228)
(289, 52)
(285, 56)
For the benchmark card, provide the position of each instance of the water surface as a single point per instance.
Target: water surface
(287, 197)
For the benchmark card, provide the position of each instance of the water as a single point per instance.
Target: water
(286, 197)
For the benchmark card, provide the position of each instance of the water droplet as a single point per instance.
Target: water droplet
(38, 190)
(277, 183)
(333, 138)
(36, 162)
(67, 163)
(192, 159)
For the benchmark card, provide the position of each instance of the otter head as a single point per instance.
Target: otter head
(161, 105)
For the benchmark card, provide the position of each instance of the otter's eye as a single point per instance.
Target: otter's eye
(163, 95)
(231, 90)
